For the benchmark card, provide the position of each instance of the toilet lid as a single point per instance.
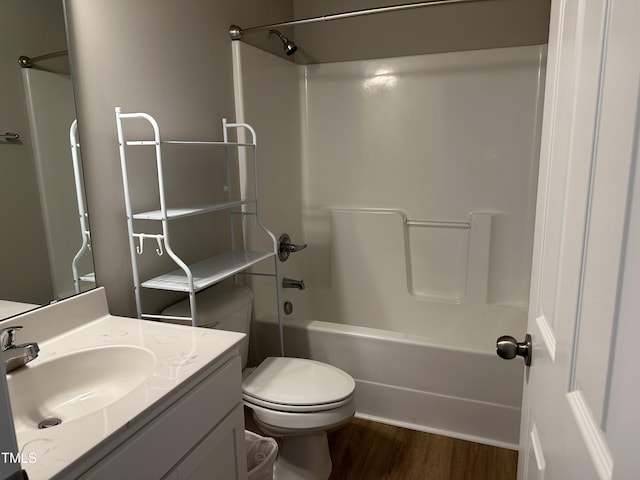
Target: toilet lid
(297, 382)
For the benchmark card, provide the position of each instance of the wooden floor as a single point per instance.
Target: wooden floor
(365, 450)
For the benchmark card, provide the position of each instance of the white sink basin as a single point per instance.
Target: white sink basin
(74, 385)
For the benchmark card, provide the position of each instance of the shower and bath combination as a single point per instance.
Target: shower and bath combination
(368, 306)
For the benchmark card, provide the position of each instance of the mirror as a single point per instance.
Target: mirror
(40, 205)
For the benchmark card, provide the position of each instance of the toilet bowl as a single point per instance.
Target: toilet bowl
(297, 400)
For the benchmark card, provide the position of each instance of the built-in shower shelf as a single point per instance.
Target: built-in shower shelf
(208, 272)
(173, 213)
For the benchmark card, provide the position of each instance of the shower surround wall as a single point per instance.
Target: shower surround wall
(412, 180)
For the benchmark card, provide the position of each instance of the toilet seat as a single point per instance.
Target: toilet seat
(278, 423)
(298, 385)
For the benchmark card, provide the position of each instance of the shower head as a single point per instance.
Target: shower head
(236, 33)
(289, 47)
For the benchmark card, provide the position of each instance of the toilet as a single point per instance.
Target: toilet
(294, 399)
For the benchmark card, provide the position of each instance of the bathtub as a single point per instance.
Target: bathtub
(419, 341)
(460, 389)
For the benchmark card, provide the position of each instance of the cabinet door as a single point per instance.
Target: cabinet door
(219, 455)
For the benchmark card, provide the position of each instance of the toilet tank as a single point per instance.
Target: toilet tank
(222, 307)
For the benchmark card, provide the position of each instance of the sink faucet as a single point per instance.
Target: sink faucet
(15, 356)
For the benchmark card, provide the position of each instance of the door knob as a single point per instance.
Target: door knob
(507, 347)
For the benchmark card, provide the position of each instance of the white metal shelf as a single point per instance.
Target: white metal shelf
(207, 272)
(173, 213)
(82, 212)
(142, 143)
(192, 278)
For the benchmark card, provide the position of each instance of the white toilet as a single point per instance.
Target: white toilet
(294, 399)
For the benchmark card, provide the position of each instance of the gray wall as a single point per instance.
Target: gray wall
(443, 28)
(172, 60)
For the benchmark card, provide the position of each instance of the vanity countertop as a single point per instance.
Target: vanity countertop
(182, 357)
(9, 308)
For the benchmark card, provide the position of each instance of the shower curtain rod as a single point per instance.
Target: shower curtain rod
(27, 62)
(236, 32)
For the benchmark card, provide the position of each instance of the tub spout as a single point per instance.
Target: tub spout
(291, 283)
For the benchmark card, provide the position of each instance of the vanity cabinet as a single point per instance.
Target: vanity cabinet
(200, 436)
(143, 226)
(214, 456)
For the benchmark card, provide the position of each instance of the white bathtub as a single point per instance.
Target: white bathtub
(462, 391)
(416, 331)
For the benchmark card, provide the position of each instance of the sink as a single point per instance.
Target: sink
(108, 379)
(73, 385)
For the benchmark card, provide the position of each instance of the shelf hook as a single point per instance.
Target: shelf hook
(140, 247)
(159, 249)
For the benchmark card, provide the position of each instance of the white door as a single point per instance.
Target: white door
(581, 409)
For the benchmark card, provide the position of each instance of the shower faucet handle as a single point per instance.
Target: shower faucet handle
(286, 248)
